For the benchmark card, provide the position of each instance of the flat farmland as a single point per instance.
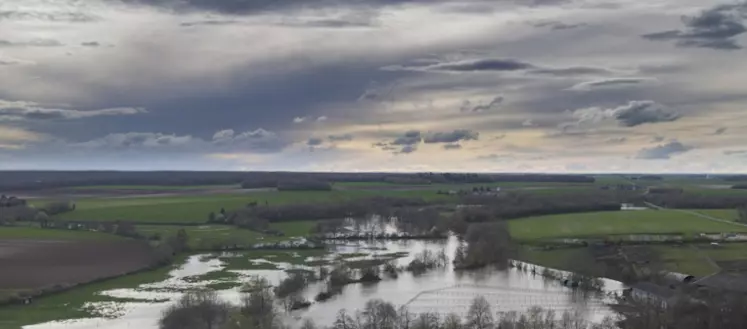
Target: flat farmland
(616, 223)
(35, 233)
(195, 209)
(32, 264)
(728, 214)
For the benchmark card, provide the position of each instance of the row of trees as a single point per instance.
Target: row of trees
(258, 310)
(517, 205)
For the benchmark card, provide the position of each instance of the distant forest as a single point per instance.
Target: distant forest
(34, 180)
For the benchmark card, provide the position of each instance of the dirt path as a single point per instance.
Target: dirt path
(695, 213)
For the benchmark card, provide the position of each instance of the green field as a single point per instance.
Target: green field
(693, 259)
(154, 187)
(203, 237)
(728, 214)
(615, 223)
(195, 209)
(35, 233)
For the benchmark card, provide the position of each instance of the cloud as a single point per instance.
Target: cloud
(616, 140)
(408, 149)
(90, 44)
(227, 140)
(735, 152)
(487, 64)
(340, 138)
(452, 146)
(468, 107)
(632, 114)
(31, 43)
(307, 119)
(137, 140)
(715, 28)
(19, 110)
(409, 138)
(314, 141)
(451, 137)
(573, 71)
(657, 139)
(47, 16)
(609, 82)
(664, 151)
(719, 131)
(556, 25)
(8, 61)
(229, 136)
(473, 65)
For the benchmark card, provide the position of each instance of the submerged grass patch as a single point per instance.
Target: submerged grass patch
(69, 305)
(246, 260)
(212, 276)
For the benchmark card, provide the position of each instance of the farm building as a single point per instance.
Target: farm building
(676, 278)
(651, 292)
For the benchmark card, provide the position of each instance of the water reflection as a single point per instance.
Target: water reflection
(442, 290)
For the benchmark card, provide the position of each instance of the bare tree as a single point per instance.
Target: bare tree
(343, 321)
(479, 315)
(196, 310)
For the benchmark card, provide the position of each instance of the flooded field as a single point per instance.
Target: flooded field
(443, 290)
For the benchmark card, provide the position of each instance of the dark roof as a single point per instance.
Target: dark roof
(654, 289)
(725, 281)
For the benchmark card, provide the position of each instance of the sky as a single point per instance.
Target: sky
(374, 85)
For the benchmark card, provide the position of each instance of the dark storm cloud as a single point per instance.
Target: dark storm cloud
(31, 43)
(467, 106)
(499, 65)
(246, 7)
(409, 138)
(314, 141)
(639, 112)
(451, 137)
(632, 114)
(610, 82)
(340, 138)
(715, 28)
(452, 146)
(248, 98)
(487, 64)
(573, 71)
(664, 151)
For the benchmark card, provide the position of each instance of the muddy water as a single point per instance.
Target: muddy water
(440, 290)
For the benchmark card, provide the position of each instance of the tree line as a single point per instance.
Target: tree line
(202, 309)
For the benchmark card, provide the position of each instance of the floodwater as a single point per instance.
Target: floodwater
(442, 290)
